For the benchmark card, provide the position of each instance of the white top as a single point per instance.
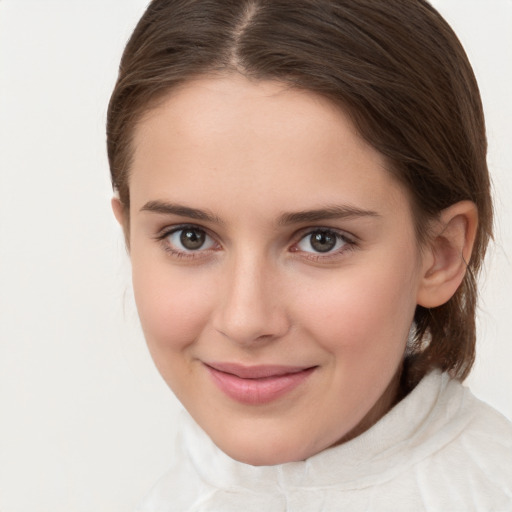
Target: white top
(439, 449)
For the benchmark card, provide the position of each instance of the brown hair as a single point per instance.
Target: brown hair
(394, 65)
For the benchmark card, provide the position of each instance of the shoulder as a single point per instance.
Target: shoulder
(481, 432)
(488, 427)
(486, 442)
(470, 462)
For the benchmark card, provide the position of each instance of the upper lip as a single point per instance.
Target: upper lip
(257, 371)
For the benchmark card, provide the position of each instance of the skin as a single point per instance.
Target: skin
(257, 292)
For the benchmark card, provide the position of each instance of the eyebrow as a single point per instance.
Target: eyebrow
(180, 210)
(328, 212)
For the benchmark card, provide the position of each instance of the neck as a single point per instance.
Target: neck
(391, 396)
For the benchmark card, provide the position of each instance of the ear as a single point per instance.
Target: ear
(447, 254)
(122, 216)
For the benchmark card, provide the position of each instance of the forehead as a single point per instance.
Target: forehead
(230, 140)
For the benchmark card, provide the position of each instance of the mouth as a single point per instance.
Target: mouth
(257, 385)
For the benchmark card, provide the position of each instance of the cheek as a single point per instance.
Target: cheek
(172, 308)
(361, 311)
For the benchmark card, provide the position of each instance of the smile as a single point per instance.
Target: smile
(256, 385)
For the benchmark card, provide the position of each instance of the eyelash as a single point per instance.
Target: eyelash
(349, 243)
(183, 254)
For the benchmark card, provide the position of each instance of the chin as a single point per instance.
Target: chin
(266, 451)
(261, 456)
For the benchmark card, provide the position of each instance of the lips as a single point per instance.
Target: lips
(256, 385)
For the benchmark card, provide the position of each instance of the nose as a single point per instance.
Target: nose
(252, 306)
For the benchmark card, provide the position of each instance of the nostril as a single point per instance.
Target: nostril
(264, 336)
(252, 330)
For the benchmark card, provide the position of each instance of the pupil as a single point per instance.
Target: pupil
(323, 241)
(192, 238)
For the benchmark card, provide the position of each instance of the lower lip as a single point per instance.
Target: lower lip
(258, 391)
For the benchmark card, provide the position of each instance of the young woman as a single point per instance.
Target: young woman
(304, 194)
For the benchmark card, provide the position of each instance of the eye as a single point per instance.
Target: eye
(188, 239)
(322, 241)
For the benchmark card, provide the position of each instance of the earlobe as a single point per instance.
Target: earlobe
(448, 253)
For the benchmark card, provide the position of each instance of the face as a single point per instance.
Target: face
(275, 266)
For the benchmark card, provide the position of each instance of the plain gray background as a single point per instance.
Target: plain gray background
(86, 424)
